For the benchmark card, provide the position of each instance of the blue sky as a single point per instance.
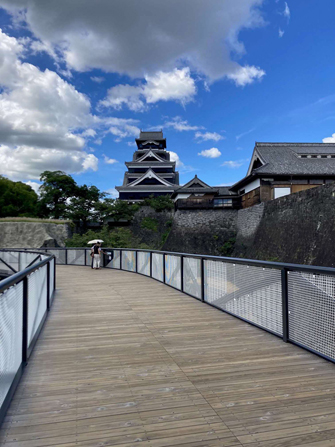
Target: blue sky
(78, 83)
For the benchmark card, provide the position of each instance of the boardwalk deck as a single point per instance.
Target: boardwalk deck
(126, 361)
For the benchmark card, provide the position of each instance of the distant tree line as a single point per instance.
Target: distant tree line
(60, 197)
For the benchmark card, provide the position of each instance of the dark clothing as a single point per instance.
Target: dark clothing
(96, 249)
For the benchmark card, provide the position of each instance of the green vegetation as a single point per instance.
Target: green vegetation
(17, 199)
(159, 203)
(117, 237)
(150, 224)
(228, 247)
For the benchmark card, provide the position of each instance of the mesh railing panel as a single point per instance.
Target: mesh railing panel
(157, 266)
(60, 255)
(52, 278)
(311, 305)
(12, 259)
(252, 293)
(89, 259)
(115, 262)
(76, 257)
(128, 260)
(37, 300)
(26, 258)
(143, 263)
(11, 310)
(173, 271)
(192, 276)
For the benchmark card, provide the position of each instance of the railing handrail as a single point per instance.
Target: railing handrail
(254, 262)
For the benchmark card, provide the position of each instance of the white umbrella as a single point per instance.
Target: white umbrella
(95, 241)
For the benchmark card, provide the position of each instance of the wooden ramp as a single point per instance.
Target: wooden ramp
(126, 361)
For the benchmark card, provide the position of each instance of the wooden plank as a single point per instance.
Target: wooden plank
(124, 360)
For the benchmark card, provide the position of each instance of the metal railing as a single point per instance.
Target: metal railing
(294, 302)
(26, 295)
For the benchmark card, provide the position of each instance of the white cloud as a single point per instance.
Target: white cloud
(176, 85)
(34, 185)
(243, 76)
(97, 79)
(24, 162)
(281, 33)
(175, 157)
(243, 134)
(102, 34)
(329, 139)
(113, 193)
(287, 12)
(89, 133)
(210, 153)
(233, 164)
(177, 123)
(109, 161)
(207, 136)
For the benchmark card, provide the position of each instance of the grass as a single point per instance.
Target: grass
(33, 219)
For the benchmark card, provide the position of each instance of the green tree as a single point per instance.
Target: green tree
(117, 209)
(57, 190)
(85, 205)
(17, 199)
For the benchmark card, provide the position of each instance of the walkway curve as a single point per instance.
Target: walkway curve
(126, 361)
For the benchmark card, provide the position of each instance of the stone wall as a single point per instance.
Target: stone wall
(299, 228)
(145, 218)
(33, 234)
(202, 231)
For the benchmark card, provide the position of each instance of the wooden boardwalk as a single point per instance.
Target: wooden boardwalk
(126, 361)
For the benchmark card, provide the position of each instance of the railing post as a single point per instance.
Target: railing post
(151, 264)
(25, 321)
(54, 273)
(48, 285)
(202, 280)
(120, 259)
(85, 256)
(66, 256)
(284, 274)
(182, 273)
(164, 268)
(136, 261)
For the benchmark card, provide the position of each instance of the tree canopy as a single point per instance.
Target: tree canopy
(17, 199)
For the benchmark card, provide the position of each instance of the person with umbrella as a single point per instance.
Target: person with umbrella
(96, 253)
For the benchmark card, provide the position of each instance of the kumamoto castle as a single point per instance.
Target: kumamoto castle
(275, 170)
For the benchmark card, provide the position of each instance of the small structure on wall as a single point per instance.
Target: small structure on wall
(198, 194)
(279, 169)
(151, 172)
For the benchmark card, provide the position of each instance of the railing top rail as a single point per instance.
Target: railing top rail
(252, 262)
(19, 276)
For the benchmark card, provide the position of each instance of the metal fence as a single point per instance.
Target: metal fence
(26, 295)
(294, 302)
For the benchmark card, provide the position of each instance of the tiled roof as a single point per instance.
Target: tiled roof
(151, 135)
(285, 158)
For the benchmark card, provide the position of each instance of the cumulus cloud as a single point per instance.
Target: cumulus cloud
(243, 76)
(210, 153)
(199, 34)
(109, 161)
(329, 139)
(113, 193)
(175, 157)
(177, 123)
(24, 162)
(34, 185)
(176, 85)
(207, 136)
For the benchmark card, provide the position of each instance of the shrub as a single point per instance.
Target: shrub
(150, 224)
